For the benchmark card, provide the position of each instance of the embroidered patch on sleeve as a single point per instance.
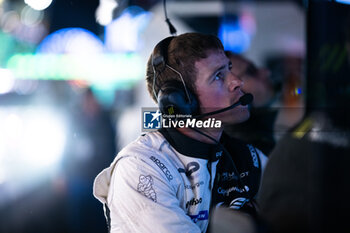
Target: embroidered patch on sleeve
(145, 187)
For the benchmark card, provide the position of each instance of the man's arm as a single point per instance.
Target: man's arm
(141, 199)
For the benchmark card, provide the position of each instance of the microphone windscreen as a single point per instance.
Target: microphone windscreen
(246, 99)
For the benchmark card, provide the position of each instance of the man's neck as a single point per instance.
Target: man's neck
(213, 133)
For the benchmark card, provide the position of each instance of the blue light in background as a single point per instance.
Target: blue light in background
(71, 40)
(343, 1)
(233, 36)
(122, 34)
(298, 91)
(78, 54)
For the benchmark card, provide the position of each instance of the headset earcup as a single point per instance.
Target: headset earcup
(172, 99)
(160, 53)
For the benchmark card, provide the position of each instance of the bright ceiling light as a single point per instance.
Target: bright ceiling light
(6, 81)
(35, 137)
(44, 140)
(123, 33)
(38, 4)
(104, 12)
(32, 145)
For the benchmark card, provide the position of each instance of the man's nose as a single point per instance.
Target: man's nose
(234, 82)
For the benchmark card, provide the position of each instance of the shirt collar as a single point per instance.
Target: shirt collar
(191, 147)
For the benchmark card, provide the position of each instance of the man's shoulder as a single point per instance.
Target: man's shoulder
(148, 154)
(150, 141)
(150, 148)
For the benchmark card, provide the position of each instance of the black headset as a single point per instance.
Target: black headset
(173, 96)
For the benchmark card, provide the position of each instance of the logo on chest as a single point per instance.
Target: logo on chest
(162, 167)
(193, 201)
(202, 215)
(190, 168)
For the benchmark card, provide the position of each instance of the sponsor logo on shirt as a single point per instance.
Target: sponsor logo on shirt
(227, 176)
(202, 215)
(254, 155)
(190, 169)
(162, 167)
(218, 154)
(226, 192)
(193, 186)
(145, 187)
(244, 174)
(193, 201)
(238, 203)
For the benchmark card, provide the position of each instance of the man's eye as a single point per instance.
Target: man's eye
(218, 76)
(230, 66)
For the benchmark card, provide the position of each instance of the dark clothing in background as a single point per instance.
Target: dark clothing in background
(305, 187)
(257, 130)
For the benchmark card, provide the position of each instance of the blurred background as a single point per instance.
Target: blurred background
(72, 88)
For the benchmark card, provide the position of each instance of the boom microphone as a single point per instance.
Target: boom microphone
(244, 100)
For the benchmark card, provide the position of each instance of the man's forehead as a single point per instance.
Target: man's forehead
(213, 55)
(215, 52)
(215, 60)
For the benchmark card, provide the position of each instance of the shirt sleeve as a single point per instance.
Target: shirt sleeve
(141, 199)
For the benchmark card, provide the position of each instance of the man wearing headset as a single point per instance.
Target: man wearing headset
(258, 129)
(169, 180)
